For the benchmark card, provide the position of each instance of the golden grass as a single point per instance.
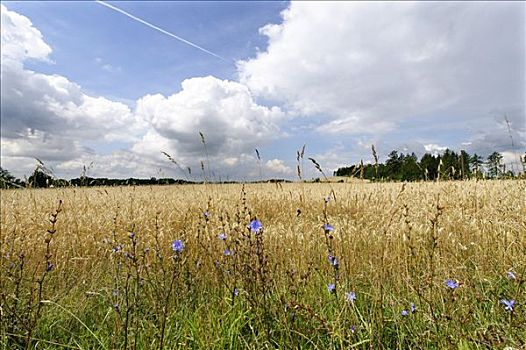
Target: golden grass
(396, 243)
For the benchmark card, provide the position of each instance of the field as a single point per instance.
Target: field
(334, 266)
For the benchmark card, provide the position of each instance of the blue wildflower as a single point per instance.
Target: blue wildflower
(508, 304)
(351, 297)
(49, 266)
(206, 214)
(452, 284)
(404, 312)
(413, 308)
(511, 275)
(331, 288)
(236, 292)
(132, 235)
(255, 226)
(328, 227)
(222, 236)
(177, 246)
(227, 252)
(353, 329)
(334, 261)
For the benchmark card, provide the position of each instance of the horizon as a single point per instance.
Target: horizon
(272, 76)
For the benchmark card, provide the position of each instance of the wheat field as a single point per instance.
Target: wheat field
(334, 266)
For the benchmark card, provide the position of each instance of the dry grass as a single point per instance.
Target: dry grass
(396, 244)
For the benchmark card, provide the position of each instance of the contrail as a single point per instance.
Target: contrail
(160, 30)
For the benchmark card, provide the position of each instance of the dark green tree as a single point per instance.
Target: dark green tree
(429, 165)
(476, 163)
(450, 165)
(464, 161)
(494, 164)
(40, 179)
(393, 165)
(410, 169)
(6, 179)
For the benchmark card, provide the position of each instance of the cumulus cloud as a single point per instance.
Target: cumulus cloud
(53, 119)
(54, 105)
(277, 166)
(355, 68)
(48, 116)
(434, 148)
(223, 111)
(20, 40)
(368, 66)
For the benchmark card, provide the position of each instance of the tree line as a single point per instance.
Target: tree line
(449, 165)
(398, 167)
(40, 178)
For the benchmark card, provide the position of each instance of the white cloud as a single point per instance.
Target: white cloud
(512, 159)
(434, 148)
(360, 68)
(277, 166)
(20, 40)
(107, 66)
(354, 125)
(224, 111)
(48, 116)
(368, 66)
(231, 161)
(53, 119)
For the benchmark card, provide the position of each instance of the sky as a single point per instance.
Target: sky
(85, 85)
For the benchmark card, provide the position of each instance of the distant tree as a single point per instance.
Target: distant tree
(450, 165)
(40, 179)
(6, 179)
(410, 169)
(429, 165)
(393, 165)
(464, 161)
(476, 163)
(494, 164)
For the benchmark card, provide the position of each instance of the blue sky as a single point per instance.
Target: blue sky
(86, 37)
(82, 83)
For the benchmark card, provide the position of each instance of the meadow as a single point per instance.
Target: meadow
(436, 265)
